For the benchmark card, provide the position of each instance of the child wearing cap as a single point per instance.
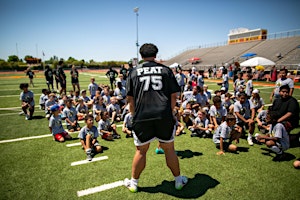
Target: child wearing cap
(257, 101)
(88, 137)
(70, 115)
(27, 100)
(55, 125)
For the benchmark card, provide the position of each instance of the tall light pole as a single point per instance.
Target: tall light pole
(136, 10)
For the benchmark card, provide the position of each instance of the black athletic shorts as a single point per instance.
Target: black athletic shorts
(162, 129)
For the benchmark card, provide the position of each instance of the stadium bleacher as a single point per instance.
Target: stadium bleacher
(288, 48)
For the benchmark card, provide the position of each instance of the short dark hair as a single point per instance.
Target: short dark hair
(242, 94)
(285, 70)
(273, 115)
(89, 116)
(217, 99)
(148, 50)
(230, 117)
(287, 87)
(23, 85)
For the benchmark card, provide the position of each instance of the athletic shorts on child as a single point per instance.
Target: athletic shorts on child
(58, 136)
(69, 127)
(225, 145)
(146, 131)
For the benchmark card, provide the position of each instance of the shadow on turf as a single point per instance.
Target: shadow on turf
(195, 188)
(287, 157)
(38, 117)
(187, 154)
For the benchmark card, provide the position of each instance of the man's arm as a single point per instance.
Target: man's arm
(131, 104)
(173, 100)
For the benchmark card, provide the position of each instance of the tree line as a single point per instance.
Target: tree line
(15, 63)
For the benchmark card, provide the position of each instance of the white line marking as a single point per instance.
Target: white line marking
(99, 188)
(73, 144)
(79, 122)
(29, 138)
(12, 108)
(5, 114)
(25, 138)
(86, 161)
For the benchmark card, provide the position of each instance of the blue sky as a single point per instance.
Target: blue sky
(105, 30)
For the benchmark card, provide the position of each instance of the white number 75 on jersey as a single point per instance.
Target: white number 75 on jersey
(154, 81)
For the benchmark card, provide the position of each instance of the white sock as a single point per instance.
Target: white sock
(134, 181)
(276, 149)
(178, 178)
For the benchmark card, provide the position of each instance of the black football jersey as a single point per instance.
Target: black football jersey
(151, 85)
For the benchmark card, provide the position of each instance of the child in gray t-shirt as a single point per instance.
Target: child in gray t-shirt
(55, 125)
(277, 139)
(88, 137)
(27, 100)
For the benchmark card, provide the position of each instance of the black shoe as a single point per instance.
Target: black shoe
(116, 136)
(129, 136)
(194, 135)
(279, 157)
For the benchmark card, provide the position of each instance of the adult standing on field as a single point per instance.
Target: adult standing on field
(112, 75)
(49, 77)
(151, 93)
(62, 77)
(124, 71)
(74, 78)
(30, 75)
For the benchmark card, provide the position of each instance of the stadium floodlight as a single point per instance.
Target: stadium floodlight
(136, 10)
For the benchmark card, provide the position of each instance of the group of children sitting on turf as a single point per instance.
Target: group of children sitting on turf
(227, 117)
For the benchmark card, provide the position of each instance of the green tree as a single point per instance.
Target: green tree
(13, 58)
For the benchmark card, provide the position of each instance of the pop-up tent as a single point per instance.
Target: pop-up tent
(257, 61)
(174, 65)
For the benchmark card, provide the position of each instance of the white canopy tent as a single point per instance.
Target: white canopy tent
(257, 61)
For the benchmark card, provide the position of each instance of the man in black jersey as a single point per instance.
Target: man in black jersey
(112, 75)
(151, 94)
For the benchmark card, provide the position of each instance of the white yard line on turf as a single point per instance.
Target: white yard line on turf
(88, 74)
(73, 144)
(30, 138)
(99, 188)
(25, 138)
(86, 161)
(5, 114)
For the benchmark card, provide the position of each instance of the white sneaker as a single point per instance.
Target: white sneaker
(256, 135)
(180, 185)
(250, 141)
(27, 117)
(131, 188)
